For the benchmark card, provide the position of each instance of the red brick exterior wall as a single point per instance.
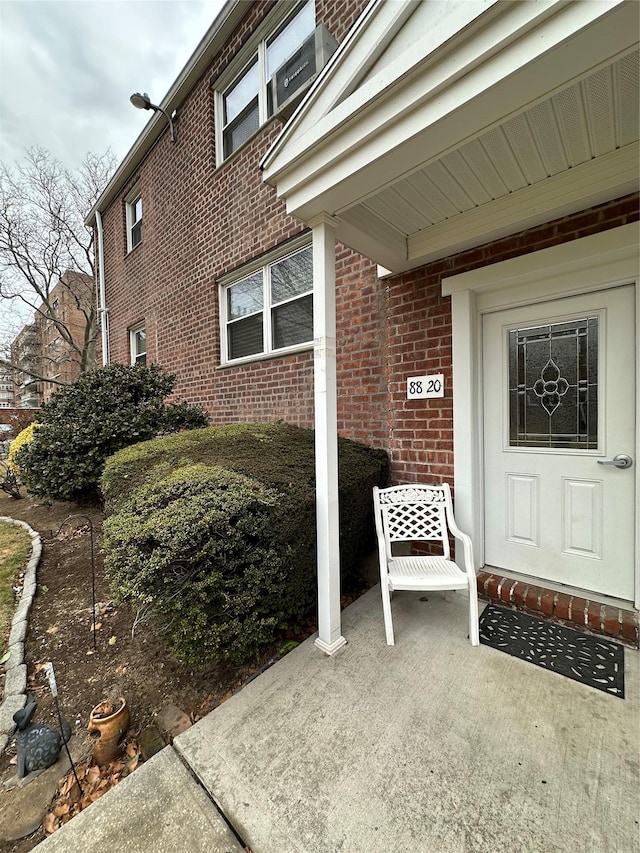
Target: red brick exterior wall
(419, 329)
(200, 222)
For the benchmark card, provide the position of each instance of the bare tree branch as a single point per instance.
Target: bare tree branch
(44, 245)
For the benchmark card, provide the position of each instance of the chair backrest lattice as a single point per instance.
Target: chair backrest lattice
(415, 513)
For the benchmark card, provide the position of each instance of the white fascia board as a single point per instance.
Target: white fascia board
(471, 89)
(610, 176)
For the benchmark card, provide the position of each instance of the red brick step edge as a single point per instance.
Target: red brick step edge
(590, 616)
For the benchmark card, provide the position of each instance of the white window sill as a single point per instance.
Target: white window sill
(269, 356)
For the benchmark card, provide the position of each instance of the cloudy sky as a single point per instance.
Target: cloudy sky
(68, 67)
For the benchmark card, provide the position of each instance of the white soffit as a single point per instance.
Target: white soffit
(579, 144)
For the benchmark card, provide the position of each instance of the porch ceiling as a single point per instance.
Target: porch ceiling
(576, 148)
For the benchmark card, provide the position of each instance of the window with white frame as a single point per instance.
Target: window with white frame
(138, 344)
(245, 103)
(270, 310)
(134, 218)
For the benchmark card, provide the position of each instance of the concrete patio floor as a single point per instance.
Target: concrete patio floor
(428, 745)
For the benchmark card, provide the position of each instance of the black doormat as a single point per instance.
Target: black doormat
(590, 660)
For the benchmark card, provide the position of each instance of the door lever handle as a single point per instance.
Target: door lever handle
(619, 461)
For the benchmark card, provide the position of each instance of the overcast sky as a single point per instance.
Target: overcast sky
(68, 67)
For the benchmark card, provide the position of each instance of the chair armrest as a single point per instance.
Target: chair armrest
(467, 548)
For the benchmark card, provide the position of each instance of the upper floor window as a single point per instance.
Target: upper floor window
(244, 103)
(134, 219)
(138, 344)
(241, 109)
(271, 309)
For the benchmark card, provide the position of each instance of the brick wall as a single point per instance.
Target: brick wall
(419, 336)
(200, 222)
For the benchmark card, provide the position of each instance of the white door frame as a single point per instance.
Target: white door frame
(603, 260)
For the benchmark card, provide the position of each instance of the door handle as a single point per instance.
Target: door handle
(620, 461)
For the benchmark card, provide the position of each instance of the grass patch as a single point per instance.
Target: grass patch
(15, 550)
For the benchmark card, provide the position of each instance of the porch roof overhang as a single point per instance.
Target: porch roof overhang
(522, 113)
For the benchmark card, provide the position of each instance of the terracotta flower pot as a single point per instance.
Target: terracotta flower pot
(108, 728)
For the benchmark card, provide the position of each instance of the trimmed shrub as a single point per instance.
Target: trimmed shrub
(85, 422)
(196, 549)
(259, 543)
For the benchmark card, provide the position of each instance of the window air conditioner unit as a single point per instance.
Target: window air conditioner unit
(299, 71)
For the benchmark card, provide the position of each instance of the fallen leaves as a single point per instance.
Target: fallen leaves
(94, 783)
(73, 532)
(50, 824)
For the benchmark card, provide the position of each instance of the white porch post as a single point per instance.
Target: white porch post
(330, 638)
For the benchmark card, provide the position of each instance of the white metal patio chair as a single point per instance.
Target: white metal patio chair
(421, 513)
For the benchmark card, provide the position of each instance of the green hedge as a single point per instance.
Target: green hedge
(213, 531)
(85, 422)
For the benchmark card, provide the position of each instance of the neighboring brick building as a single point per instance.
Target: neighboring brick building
(55, 348)
(63, 329)
(26, 351)
(459, 164)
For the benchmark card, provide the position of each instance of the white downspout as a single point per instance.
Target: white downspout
(103, 311)
(330, 637)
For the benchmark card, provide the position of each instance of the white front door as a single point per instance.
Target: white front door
(559, 398)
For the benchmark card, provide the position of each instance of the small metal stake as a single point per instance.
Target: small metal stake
(54, 692)
(93, 567)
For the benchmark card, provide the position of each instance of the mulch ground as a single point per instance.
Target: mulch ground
(128, 660)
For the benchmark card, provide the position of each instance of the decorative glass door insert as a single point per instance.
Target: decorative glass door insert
(553, 385)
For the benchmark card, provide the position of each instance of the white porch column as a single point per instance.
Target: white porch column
(330, 638)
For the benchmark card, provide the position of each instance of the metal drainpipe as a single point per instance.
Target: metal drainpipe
(103, 311)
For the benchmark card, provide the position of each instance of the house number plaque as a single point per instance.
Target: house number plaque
(425, 387)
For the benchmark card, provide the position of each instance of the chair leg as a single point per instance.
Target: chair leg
(474, 630)
(386, 609)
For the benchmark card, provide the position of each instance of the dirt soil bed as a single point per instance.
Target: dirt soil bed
(125, 662)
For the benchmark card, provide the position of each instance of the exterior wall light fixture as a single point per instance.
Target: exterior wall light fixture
(142, 102)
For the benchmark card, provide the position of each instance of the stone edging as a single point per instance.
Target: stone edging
(15, 685)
